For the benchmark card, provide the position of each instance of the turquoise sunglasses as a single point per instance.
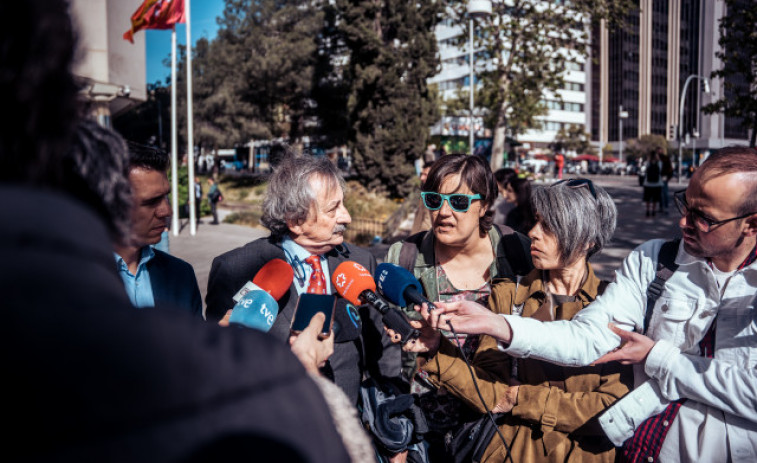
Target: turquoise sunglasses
(457, 201)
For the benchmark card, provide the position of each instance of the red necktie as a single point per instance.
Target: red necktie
(317, 283)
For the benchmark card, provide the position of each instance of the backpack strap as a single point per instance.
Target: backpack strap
(666, 266)
(409, 251)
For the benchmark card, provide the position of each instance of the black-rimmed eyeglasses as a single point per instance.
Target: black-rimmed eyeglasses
(701, 221)
(579, 183)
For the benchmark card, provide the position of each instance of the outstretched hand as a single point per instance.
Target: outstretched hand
(634, 348)
(470, 318)
(429, 338)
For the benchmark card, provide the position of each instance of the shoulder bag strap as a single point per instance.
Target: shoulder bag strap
(666, 266)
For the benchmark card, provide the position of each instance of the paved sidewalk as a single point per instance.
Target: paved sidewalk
(209, 242)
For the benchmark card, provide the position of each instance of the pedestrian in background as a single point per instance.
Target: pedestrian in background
(198, 198)
(667, 174)
(502, 206)
(559, 164)
(652, 182)
(214, 197)
(422, 220)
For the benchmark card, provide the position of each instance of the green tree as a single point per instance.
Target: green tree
(645, 144)
(331, 86)
(392, 53)
(738, 55)
(531, 44)
(574, 138)
(253, 80)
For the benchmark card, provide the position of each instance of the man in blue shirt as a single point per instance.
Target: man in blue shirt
(152, 277)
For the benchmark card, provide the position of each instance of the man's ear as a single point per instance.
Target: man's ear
(294, 227)
(751, 225)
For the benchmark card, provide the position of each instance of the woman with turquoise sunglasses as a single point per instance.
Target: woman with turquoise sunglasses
(456, 260)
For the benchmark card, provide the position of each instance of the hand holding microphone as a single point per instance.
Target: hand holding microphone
(355, 283)
(400, 287)
(256, 303)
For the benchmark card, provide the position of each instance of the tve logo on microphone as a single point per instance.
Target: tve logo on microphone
(264, 310)
(257, 309)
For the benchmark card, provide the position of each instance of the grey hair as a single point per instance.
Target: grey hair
(290, 196)
(578, 221)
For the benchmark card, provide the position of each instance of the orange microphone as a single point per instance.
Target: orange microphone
(355, 283)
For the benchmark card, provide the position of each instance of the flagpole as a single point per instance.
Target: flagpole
(174, 142)
(190, 134)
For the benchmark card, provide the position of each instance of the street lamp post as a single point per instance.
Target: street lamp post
(476, 9)
(621, 115)
(706, 83)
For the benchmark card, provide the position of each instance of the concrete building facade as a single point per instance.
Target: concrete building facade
(643, 69)
(454, 80)
(112, 70)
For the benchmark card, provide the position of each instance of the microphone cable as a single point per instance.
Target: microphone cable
(480, 396)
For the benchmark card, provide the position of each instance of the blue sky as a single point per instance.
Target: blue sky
(158, 47)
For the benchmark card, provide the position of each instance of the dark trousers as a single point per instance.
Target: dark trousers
(214, 211)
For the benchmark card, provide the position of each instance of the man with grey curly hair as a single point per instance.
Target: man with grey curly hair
(304, 210)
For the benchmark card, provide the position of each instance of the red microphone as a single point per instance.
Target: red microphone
(355, 283)
(275, 278)
(256, 305)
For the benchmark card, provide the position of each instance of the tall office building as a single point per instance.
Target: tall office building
(644, 68)
(454, 81)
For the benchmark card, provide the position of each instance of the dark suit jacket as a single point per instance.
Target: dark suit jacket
(88, 378)
(355, 351)
(174, 283)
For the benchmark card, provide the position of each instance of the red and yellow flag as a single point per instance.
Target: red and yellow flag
(156, 14)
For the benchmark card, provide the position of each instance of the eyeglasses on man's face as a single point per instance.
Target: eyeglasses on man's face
(458, 202)
(698, 218)
(579, 183)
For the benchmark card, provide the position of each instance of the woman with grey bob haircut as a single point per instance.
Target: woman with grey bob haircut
(580, 214)
(574, 219)
(290, 196)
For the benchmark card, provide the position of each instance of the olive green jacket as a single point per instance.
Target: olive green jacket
(424, 268)
(425, 271)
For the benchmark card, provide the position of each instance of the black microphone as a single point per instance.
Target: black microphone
(355, 283)
(399, 286)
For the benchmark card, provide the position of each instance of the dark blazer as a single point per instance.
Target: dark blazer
(92, 379)
(355, 350)
(174, 283)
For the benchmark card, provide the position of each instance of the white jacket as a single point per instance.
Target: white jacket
(720, 414)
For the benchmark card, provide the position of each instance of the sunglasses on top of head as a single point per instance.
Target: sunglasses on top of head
(458, 202)
(579, 183)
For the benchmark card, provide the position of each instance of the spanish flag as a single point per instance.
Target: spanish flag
(156, 14)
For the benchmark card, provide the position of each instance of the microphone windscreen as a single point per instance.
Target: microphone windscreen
(393, 280)
(350, 279)
(275, 278)
(257, 310)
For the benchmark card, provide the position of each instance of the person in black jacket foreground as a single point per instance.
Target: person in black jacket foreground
(87, 377)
